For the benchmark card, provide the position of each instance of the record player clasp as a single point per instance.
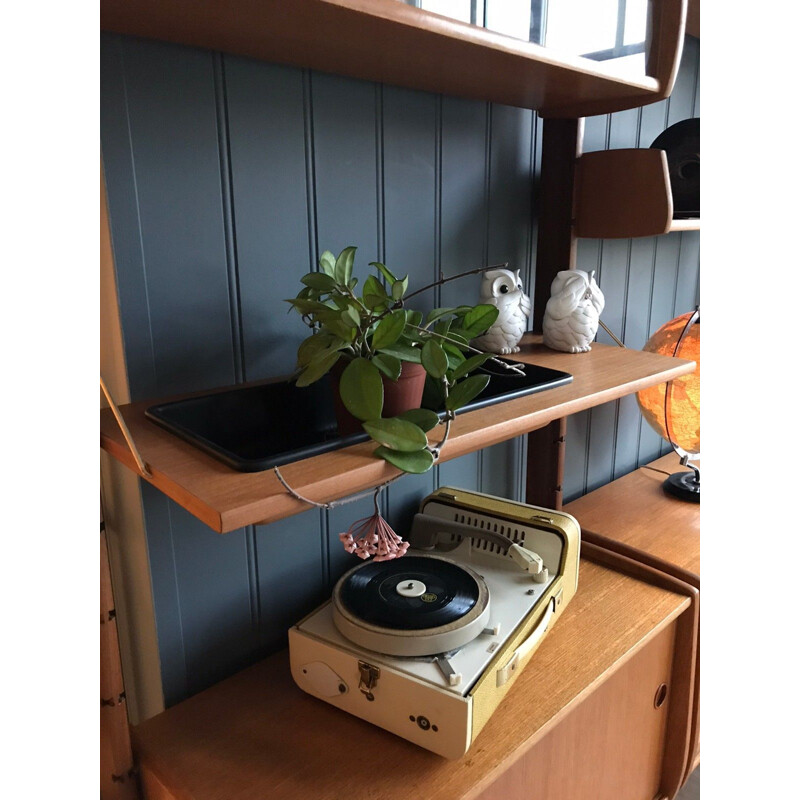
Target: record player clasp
(369, 679)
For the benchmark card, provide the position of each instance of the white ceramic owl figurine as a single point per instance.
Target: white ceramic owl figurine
(503, 288)
(573, 312)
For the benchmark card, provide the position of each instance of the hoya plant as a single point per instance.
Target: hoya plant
(371, 333)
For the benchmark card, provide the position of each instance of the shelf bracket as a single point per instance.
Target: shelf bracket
(141, 467)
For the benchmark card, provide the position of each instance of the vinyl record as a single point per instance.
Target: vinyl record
(681, 143)
(374, 593)
(411, 606)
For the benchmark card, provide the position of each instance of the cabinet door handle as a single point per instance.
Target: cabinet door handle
(526, 649)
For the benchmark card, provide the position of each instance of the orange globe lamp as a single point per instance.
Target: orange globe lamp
(672, 409)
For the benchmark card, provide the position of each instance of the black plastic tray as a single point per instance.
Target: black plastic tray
(255, 428)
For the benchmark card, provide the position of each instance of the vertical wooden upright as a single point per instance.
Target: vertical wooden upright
(117, 776)
(555, 250)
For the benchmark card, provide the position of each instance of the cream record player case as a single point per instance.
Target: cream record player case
(528, 558)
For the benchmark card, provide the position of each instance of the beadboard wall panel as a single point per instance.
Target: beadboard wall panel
(226, 178)
(646, 282)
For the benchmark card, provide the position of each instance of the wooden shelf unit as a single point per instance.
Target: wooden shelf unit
(635, 517)
(625, 193)
(226, 499)
(625, 633)
(390, 42)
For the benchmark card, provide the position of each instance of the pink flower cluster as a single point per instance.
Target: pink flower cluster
(372, 536)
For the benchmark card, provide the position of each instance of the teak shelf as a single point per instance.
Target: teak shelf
(226, 500)
(635, 517)
(390, 42)
(625, 193)
(627, 631)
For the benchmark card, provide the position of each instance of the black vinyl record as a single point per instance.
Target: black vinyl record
(370, 593)
(681, 142)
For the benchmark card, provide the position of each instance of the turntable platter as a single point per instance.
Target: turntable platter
(415, 605)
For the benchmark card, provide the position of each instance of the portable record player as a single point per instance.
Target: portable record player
(427, 645)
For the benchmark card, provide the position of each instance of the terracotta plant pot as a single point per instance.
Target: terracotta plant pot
(401, 395)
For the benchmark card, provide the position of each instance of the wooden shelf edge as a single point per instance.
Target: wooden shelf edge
(684, 225)
(372, 40)
(226, 500)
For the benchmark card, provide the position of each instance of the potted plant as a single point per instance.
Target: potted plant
(376, 348)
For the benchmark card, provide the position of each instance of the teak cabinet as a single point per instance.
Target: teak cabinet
(590, 717)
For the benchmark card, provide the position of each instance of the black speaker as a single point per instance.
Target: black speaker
(681, 142)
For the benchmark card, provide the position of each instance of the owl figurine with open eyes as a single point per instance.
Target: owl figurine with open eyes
(503, 288)
(572, 313)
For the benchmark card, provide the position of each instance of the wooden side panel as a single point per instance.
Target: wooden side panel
(622, 759)
(117, 781)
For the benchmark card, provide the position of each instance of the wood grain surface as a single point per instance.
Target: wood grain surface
(226, 499)
(635, 517)
(117, 781)
(635, 510)
(373, 40)
(622, 194)
(257, 735)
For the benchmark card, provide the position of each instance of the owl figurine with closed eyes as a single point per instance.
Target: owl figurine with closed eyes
(503, 288)
(572, 313)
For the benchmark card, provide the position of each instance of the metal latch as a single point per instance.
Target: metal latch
(369, 679)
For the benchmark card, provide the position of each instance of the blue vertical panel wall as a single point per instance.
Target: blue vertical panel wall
(646, 283)
(226, 178)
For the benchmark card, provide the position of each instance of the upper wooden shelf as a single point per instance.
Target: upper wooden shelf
(390, 42)
(226, 500)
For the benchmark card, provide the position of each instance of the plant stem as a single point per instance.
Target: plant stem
(442, 280)
(511, 367)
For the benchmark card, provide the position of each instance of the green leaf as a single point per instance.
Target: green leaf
(442, 327)
(388, 365)
(399, 288)
(478, 319)
(454, 356)
(314, 344)
(308, 306)
(327, 262)
(414, 317)
(343, 270)
(416, 463)
(351, 317)
(319, 280)
(339, 329)
(397, 434)
(318, 366)
(423, 418)
(470, 364)
(434, 359)
(465, 391)
(389, 330)
(373, 286)
(457, 337)
(436, 313)
(385, 271)
(361, 389)
(403, 352)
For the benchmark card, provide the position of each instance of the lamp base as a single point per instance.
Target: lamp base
(684, 485)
